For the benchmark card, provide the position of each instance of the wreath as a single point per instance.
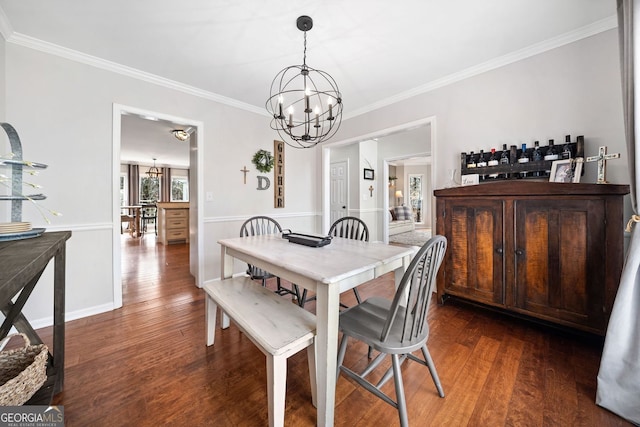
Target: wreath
(263, 160)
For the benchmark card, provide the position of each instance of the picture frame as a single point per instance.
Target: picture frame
(567, 170)
(368, 174)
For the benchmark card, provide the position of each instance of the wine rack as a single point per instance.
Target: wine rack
(515, 170)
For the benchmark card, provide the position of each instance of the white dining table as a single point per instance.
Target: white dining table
(327, 271)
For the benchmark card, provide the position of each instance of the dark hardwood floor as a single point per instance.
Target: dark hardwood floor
(146, 364)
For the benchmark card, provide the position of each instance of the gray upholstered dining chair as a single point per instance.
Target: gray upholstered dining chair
(348, 227)
(259, 225)
(396, 328)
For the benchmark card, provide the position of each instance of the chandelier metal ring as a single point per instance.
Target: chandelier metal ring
(305, 103)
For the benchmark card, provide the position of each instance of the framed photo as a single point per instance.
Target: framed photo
(368, 173)
(568, 170)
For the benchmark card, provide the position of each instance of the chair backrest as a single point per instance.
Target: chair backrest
(413, 297)
(149, 211)
(350, 227)
(258, 225)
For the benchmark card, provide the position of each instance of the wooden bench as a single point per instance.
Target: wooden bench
(274, 324)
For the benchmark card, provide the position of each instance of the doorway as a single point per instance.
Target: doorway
(194, 166)
(417, 138)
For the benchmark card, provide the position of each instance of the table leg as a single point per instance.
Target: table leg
(226, 271)
(327, 317)
(138, 222)
(59, 318)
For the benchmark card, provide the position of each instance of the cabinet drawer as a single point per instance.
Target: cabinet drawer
(176, 213)
(176, 223)
(176, 234)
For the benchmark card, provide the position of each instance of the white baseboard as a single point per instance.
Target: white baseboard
(72, 315)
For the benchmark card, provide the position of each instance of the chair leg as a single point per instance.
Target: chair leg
(432, 370)
(341, 351)
(303, 299)
(357, 294)
(401, 401)
(276, 388)
(296, 291)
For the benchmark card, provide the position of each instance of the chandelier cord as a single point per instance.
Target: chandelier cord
(304, 56)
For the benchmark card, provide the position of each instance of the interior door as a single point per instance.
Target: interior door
(339, 190)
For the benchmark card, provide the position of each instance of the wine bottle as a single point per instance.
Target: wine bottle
(524, 158)
(493, 161)
(536, 156)
(504, 160)
(550, 155)
(482, 163)
(566, 150)
(471, 163)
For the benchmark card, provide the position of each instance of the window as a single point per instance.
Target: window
(124, 189)
(179, 189)
(415, 196)
(149, 190)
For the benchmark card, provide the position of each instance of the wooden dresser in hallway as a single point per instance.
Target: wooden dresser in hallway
(173, 222)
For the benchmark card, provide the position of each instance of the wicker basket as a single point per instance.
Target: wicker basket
(22, 372)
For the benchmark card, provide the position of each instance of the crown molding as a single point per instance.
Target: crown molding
(73, 55)
(23, 40)
(578, 34)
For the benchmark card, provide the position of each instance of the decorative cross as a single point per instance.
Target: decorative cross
(244, 170)
(371, 190)
(601, 158)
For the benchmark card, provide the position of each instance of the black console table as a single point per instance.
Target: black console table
(22, 263)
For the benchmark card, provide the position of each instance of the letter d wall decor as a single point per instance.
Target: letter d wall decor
(263, 183)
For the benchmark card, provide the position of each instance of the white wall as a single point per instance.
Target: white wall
(3, 82)
(5, 208)
(63, 113)
(573, 89)
(369, 199)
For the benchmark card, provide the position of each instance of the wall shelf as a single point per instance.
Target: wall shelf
(514, 170)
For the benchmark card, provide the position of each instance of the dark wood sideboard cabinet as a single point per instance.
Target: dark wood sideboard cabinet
(549, 251)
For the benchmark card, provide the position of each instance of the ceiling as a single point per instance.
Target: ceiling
(377, 51)
(143, 139)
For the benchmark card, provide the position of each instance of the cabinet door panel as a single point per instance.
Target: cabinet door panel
(537, 250)
(554, 241)
(474, 264)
